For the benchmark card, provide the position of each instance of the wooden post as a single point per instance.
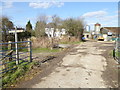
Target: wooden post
(51, 41)
(30, 49)
(30, 43)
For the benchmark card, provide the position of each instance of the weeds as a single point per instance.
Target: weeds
(13, 76)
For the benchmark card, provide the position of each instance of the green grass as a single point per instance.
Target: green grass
(43, 50)
(13, 76)
(117, 54)
(40, 50)
(77, 42)
(24, 50)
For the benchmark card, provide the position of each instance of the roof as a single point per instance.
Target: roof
(97, 24)
(115, 30)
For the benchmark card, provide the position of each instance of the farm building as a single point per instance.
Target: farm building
(109, 33)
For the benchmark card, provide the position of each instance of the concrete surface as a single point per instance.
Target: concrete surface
(82, 68)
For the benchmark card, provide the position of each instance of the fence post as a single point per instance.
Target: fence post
(114, 53)
(30, 43)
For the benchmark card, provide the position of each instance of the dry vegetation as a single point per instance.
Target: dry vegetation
(44, 42)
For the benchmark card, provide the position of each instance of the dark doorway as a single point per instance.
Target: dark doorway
(87, 36)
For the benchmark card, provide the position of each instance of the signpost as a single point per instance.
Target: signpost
(16, 40)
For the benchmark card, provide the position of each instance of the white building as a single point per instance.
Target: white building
(55, 33)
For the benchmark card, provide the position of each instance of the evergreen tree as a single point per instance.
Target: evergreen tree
(28, 29)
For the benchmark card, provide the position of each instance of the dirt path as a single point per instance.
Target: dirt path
(89, 65)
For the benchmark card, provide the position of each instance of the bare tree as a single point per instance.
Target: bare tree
(41, 25)
(56, 21)
(42, 18)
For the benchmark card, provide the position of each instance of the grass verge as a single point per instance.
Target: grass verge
(77, 42)
(12, 76)
(40, 50)
(117, 53)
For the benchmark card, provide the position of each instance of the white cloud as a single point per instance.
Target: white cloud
(96, 14)
(40, 5)
(102, 16)
(64, 0)
(45, 4)
(110, 18)
(8, 4)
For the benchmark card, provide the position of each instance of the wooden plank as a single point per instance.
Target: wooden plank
(10, 52)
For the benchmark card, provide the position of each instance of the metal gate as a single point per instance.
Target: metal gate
(14, 53)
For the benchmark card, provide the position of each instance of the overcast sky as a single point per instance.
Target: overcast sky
(105, 13)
